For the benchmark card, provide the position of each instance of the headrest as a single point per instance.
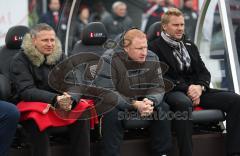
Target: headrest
(94, 33)
(154, 31)
(15, 35)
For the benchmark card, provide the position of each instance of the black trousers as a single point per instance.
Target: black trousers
(113, 131)
(79, 135)
(226, 101)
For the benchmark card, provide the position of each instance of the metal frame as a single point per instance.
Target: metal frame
(68, 26)
(224, 9)
(226, 22)
(44, 6)
(201, 18)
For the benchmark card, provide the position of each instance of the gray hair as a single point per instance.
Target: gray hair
(117, 3)
(40, 27)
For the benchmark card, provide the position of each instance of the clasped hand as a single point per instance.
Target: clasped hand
(145, 107)
(65, 101)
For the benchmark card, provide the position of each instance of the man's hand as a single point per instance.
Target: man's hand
(148, 102)
(194, 92)
(196, 102)
(144, 108)
(45, 111)
(65, 101)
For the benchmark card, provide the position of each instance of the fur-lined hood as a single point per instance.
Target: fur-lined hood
(38, 58)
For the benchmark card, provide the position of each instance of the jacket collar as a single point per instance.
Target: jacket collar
(38, 58)
(166, 52)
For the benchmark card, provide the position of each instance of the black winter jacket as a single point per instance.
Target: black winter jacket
(29, 72)
(198, 73)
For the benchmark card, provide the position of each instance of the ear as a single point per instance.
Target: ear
(34, 41)
(126, 49)
(164, 27)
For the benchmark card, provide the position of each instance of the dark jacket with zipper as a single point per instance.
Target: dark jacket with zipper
(29, 72)
(130, 80)
(197, 74)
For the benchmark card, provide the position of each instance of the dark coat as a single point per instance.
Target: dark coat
(49, 19)
(198, 73)
(116, 25)
(78, 28)
(154, 17)
(29, 72)
(130, 80)
(190, 18)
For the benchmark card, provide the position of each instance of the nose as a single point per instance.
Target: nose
(144, 51)
(180, 27)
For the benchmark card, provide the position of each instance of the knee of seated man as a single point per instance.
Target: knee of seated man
(163, 107)
(13, 114)
(179, 101)
(113, 113)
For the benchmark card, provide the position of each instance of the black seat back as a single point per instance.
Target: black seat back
(12, 45)
(94, 35)
(154, 31)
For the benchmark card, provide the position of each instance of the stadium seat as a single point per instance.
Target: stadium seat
(154, 31)
(12, 45)
(13, 41)
(94, 36)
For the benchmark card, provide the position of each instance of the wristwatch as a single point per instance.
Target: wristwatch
(203, 88)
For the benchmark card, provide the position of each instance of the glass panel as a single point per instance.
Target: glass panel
(62, 26)
(95, 9)
(235, 17)
(213, 49)
(84, 12)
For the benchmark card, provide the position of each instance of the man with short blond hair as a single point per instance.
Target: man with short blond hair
(30, 70)
(191, 84)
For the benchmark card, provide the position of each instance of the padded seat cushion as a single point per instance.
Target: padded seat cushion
(198, 116)
(210, 115)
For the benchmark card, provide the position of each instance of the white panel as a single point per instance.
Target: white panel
(12, 12)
